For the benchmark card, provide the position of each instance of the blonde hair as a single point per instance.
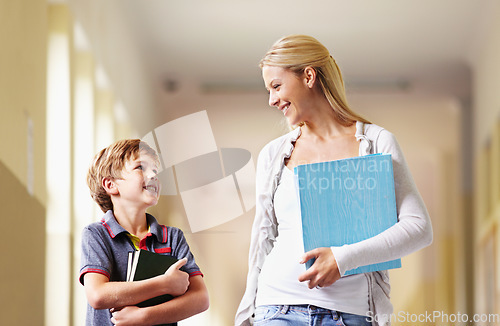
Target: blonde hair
(297, 52)
(109, 163)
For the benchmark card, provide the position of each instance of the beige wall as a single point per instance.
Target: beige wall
(22, 275)
(22, 160)
(486, 76)
(22, 88)
(486, 72)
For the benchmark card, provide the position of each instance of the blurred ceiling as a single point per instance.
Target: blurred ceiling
(423, 44)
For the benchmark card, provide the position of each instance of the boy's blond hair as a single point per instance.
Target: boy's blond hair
(109, 163)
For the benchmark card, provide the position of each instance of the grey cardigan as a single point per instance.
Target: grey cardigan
(413, 230)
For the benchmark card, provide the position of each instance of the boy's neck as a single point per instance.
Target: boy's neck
(134, 221)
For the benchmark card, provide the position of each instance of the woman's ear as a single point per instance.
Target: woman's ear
(310, 76)
(109, 186)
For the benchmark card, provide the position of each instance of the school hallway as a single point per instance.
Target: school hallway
(76, 75)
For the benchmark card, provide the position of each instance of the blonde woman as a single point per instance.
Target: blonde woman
(306, 85)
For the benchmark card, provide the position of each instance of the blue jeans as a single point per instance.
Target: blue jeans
(282, 315)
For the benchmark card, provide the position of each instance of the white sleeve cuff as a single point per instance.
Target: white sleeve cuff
(338, 255)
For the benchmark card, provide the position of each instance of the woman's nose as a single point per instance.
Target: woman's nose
(273, 99)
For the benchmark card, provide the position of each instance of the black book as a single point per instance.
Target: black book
(143, 264)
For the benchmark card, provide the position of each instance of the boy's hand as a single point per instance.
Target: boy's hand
(178, 281)
(129, 315)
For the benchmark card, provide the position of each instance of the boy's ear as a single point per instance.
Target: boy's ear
(110, 186)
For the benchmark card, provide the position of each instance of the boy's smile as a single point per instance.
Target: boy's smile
(154, 188)
(139, 184)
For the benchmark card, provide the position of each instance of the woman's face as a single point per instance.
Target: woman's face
(287, 92)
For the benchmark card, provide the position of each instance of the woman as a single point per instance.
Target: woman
(305, 83)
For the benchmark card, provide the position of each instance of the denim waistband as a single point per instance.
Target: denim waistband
(307, 308)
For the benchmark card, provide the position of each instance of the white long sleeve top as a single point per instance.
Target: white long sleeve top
(412, 232)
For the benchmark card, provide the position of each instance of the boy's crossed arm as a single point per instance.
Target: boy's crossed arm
(103, 294)
(194, 301)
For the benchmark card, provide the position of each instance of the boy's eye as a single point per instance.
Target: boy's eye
(275, 86)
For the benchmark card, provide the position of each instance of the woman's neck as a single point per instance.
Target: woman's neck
(322, 122)
(324, 125)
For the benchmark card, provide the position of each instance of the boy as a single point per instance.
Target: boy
(123, 181)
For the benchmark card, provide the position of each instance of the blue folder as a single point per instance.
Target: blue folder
(347, 201)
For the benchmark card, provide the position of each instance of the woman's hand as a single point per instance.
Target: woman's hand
(324, 272)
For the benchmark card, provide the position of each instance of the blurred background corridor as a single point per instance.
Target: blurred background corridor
(76, 75)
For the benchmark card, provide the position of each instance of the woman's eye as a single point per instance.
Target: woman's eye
(139, 167)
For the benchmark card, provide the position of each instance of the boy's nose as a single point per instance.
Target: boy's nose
(151, 174)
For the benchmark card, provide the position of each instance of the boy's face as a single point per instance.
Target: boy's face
(139, 186)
